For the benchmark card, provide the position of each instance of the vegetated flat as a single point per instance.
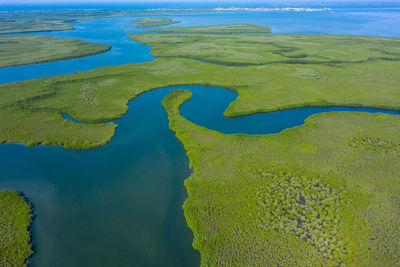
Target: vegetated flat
(15, 219)
(325, 193)
(218, 29)
(30, 111)
(154, 22)
(258, 49)
(30, 49)
(56, 20)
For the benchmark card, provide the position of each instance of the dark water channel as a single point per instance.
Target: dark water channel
(120, 205)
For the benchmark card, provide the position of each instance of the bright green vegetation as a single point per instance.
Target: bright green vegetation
(154, 22)
(30, 111)
(236, 49)
(56, 20)
(30, 49)
(301, 70)
(47, 127)
(308, 208)
(15, 219)
(312, 195)
(218, 29)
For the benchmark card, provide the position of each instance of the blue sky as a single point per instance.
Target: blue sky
(242, 3)
(184, 1)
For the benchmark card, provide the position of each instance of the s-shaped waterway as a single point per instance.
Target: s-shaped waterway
(121, 203)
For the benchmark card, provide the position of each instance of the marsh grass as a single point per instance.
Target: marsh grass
(32, 49)
(260, 49)
(102, 95)
(15, 219)
(151, 22)
(266, 200)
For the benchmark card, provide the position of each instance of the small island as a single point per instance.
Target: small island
(151, 22)
(32, 49)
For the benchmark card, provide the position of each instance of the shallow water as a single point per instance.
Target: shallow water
(120, 205)
(378, 21)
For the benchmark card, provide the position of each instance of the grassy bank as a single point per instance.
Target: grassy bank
(30, 111)
(15, 219)
(154, 22)
(325, 193)
(244, 50)
(103, 94)
(31, 49)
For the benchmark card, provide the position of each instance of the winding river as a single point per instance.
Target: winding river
(120, 205)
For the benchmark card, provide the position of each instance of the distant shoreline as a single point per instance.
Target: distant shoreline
(262, 9)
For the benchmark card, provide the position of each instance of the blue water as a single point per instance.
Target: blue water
(113, 32)
(120, 205)
(381, 21)
(218, 99)
(8, 6)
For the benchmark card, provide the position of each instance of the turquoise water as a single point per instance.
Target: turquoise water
(120, 205)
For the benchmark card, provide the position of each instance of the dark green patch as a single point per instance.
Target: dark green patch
(15, 219)
(154, 22)
(306, 207)
(30, 49)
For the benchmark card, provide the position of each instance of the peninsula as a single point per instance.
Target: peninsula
(31, 49)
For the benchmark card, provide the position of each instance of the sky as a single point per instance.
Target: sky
(185, 1)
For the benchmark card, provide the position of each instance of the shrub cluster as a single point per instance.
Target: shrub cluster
(87, 94)
(373, 143)
(308, 208)
(15, 218)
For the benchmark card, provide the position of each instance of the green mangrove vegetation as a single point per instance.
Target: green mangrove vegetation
(305, 208)
(31, 111)
(36, 126)
(218, 29)
(151, 22)
(15, 219)
(313, 195)
(31, 49)
(258, 49)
